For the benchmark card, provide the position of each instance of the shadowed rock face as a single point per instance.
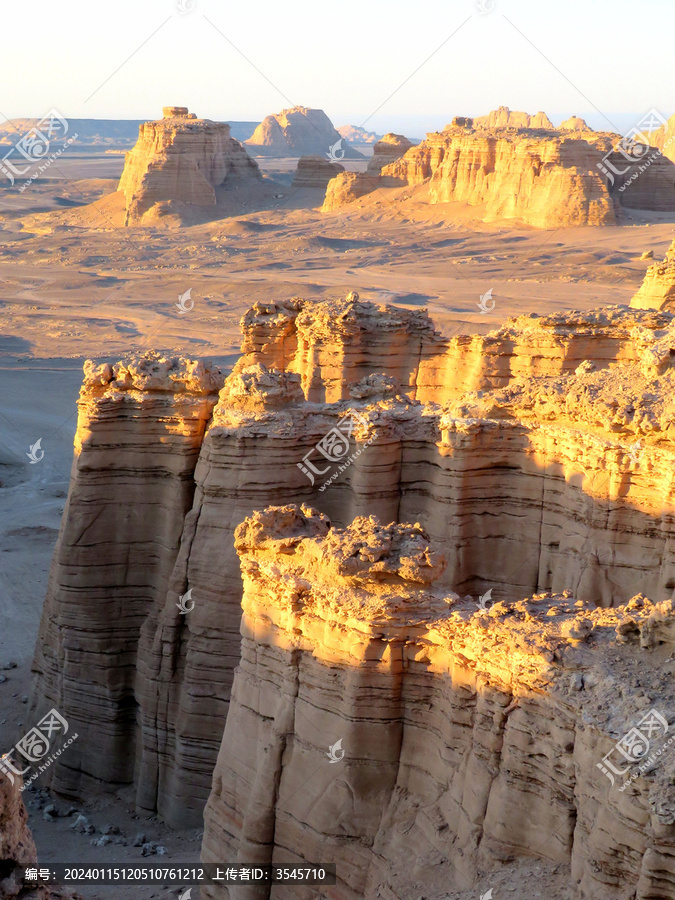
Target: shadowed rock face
(538, 458)
(181, 158)
(657, 291)
(381, 723)
(315, 171)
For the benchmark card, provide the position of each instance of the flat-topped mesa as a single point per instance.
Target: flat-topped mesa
(140, 426)
(657, 291)
(346, 187)
(376, 718)
(299, 131)
(181, 159)
(386, 151)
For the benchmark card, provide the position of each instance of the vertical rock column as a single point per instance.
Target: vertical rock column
(140, 427)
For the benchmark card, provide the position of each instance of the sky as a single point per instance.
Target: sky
(385, 64)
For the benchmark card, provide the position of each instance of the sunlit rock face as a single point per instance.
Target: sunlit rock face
(181, 158)
(657, 291)
(417, 739)
(512, 166)
(538, 458)
(387, 150)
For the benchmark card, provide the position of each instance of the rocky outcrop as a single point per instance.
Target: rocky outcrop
(299, 131)
(538, 457)
(315, 172)
(544, 178)
(657, 291)
(358, 135)
(179, 160)
(664, 138)
(386, 151)
(506, 118)
(574, 123)
(416, 739)
(346, 187)
(17, 848)
(140, 427)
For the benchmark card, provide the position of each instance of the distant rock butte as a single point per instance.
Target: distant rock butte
(315, 171)
(299, 131)
(181, 159)
(574, 123)
(533, 174)
(506, 118)
(657, 291)
(562, 424)
(390, 148)
(358, 135)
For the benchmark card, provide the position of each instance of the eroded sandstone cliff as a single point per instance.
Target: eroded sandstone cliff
(461, 736)
(181, 159)
(511, 169)
(539, 458)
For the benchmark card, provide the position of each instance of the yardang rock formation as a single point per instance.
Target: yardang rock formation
(181, 161)
(512, 166)
(657, 291)
(537, 460)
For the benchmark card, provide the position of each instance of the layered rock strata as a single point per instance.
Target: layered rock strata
(181, 159)
(386, 151)
(315, 171)
(657, 291)
(538, 456)
(140, 428)
(299, 131)
(346, 187)
(541, 176)
(416, 740)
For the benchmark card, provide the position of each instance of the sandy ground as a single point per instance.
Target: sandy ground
(72, 291)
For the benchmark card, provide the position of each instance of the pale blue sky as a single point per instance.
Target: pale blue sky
(344, 56)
